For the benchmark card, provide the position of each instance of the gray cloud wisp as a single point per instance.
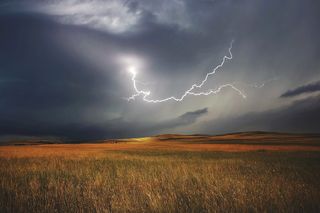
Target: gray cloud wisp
(308, 88)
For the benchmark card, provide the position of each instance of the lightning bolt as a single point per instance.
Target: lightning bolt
(146, 94)
(259, 86)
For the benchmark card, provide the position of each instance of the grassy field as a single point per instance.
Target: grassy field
(155, 178)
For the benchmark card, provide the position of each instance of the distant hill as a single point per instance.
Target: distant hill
(255, 137)
(29, 140)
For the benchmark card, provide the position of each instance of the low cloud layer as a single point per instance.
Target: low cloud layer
(299, 116)
(308, 88)
(103, 130)
(187, 118)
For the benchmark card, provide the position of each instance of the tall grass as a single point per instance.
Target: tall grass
(162, 182)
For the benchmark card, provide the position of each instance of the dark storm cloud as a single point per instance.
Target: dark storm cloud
(300, 116)
(109, 129)
(308, 88)
(59, 73)
(45, 82)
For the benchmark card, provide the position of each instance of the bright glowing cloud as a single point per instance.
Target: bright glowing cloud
(114, 16)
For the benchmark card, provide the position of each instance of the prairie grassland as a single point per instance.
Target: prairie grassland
(81, 178)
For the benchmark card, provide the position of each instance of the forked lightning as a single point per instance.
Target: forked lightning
(146, 94)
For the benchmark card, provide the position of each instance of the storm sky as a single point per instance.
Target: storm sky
(64, 67)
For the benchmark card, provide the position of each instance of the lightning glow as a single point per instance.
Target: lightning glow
(146, 94)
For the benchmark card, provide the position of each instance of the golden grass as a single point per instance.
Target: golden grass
(159, 176)
(229, 143)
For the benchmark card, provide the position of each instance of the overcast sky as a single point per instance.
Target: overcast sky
(66, 67)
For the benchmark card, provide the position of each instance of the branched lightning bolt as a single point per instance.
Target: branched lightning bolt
(145, 94)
